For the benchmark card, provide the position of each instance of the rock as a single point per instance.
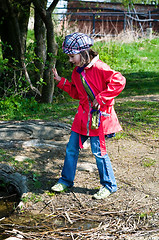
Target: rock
(20, 158)
(84, 166)
(33, 130)
(87, 144)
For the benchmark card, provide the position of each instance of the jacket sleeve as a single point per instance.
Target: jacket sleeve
(115, 83)
(68, 87)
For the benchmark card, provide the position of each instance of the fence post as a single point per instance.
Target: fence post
(150, 25)
(149, 33)
(124, 27)
(93, 23)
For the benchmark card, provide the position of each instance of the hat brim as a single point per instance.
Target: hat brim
(67, 51)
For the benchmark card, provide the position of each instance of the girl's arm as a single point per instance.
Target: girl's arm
(65, 85)
(115, 83)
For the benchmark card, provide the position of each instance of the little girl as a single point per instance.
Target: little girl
(95, 85)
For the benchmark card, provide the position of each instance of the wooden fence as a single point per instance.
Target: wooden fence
(112, 22)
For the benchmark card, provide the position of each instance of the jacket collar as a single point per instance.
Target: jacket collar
(80, 69)
(95, 59)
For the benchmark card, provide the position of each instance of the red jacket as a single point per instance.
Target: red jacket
(106, 85)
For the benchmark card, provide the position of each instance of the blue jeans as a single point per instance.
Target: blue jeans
(105, 170)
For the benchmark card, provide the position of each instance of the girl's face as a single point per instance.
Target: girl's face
(75, 59)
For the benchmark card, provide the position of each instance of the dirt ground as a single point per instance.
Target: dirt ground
(130, 213)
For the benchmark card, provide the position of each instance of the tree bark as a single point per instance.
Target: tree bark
(40, 47)
(14, 28)
(10, 33)
(46, 16)
(48, 89)
(14, 17)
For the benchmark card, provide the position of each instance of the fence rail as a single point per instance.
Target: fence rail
(116, 16)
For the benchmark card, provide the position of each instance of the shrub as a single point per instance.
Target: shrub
(17, 107)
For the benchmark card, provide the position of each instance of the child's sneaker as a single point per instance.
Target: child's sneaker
(59, 187)
(102, 193)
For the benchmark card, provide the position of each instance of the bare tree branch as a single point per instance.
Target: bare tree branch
(52, 6)
(28, 79)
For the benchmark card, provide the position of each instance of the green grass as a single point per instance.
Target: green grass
(148, 163)
(138, 117)
(140, 113)
(130, 57)
(137, 61)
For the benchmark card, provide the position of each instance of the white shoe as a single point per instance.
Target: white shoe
(59, 187)
(102, 193)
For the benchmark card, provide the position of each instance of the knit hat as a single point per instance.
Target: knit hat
(76, 43)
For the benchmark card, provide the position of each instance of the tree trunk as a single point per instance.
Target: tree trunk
(23, 20)
(46, 16)
(48, 89)
(10, 34)
(14, 16)
(40, 47)
(14, 24)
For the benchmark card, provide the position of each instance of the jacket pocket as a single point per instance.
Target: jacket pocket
(106, 111)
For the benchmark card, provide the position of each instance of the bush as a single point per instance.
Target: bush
(17, 107)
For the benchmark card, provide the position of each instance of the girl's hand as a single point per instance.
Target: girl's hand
(96, 104)
(56, 76)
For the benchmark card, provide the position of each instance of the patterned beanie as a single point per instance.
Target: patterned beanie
(76, 43)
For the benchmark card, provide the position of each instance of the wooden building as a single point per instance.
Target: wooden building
(112, 18)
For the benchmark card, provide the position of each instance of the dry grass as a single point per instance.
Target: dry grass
(65, 26)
